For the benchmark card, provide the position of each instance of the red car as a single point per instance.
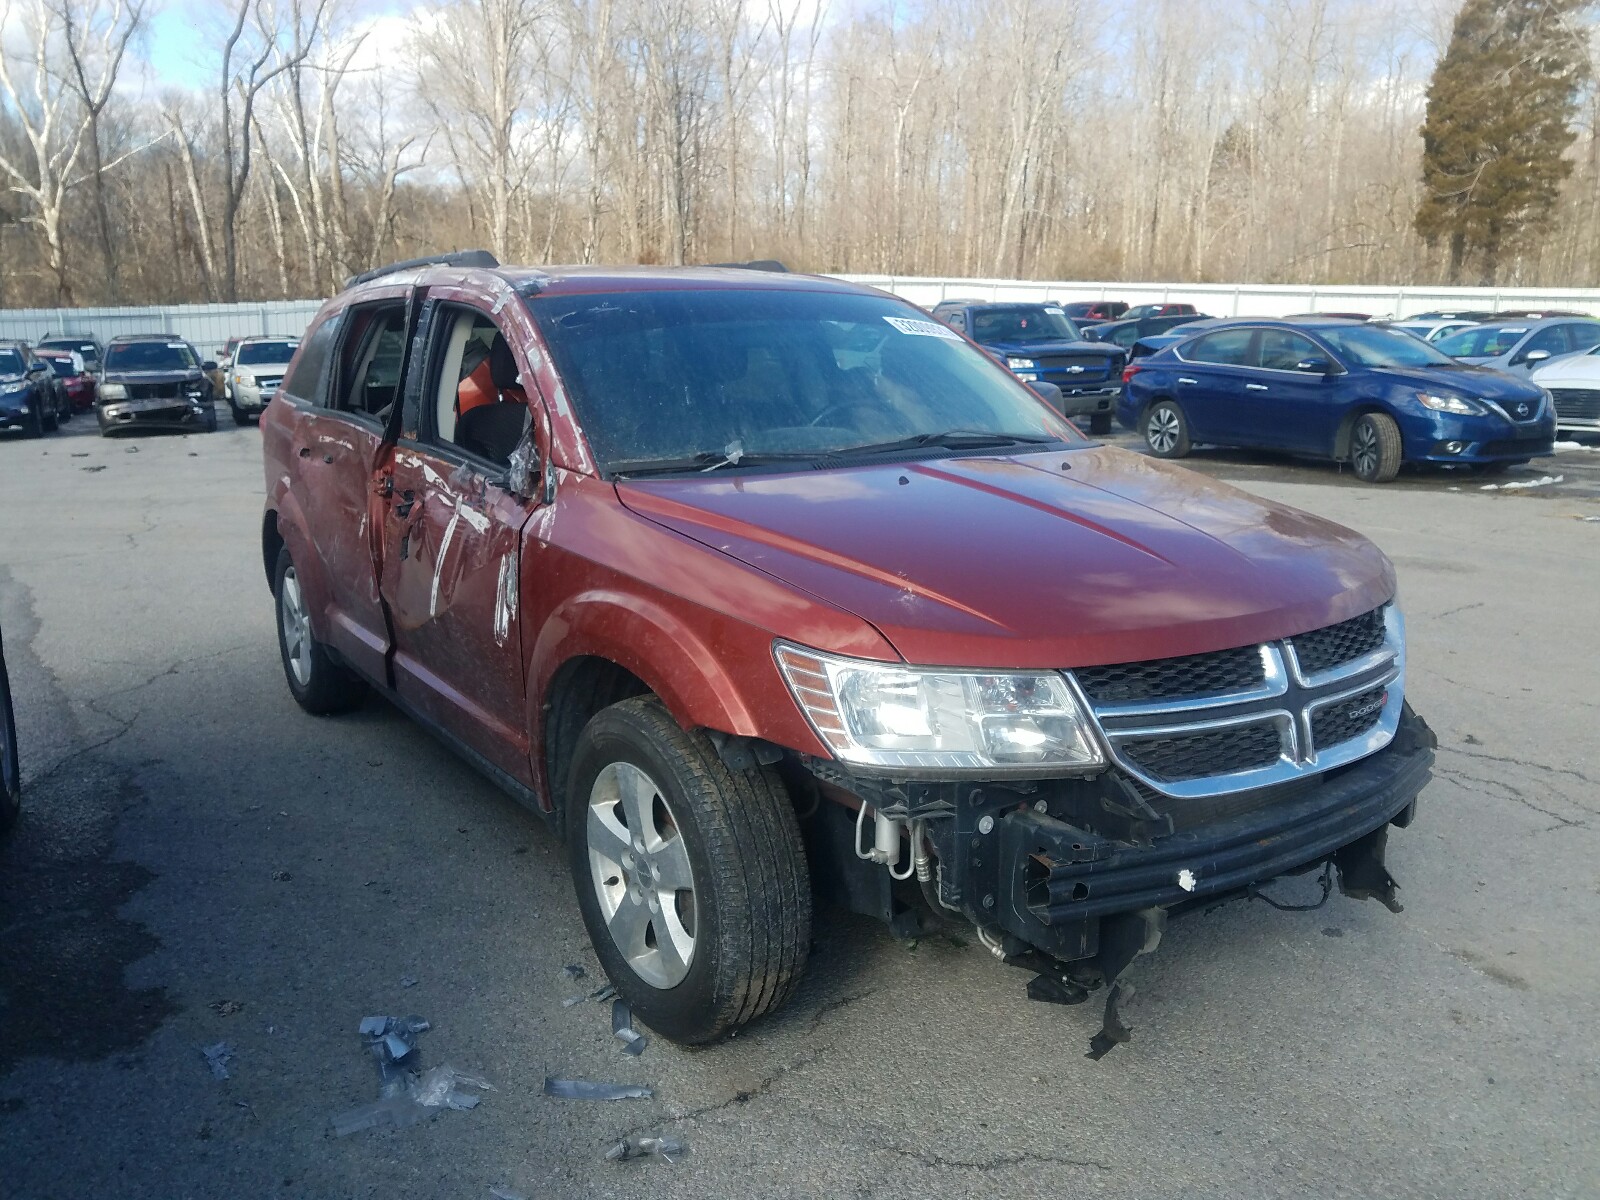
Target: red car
(752, 583)
(75, 378)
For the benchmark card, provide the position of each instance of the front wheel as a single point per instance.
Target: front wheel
(239, 418)
(318, 684)
(1166, 430)
(691, 877)
(1375, 448)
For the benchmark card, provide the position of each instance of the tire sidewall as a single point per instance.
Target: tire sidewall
(681, 1011)
(301, 694)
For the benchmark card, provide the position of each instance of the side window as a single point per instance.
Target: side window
(475, 400)
(1282, 349)
(1226, 347)
(369, 375)
(1126, 336)
(1583, 336)
(304, 379)
(1552, 339)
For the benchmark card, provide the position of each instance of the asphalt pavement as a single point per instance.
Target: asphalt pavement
(199, 862)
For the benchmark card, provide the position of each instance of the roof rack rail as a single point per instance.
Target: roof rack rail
(759, 264)
(479, 259)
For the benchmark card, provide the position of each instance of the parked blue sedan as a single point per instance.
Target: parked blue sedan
(1344, 390)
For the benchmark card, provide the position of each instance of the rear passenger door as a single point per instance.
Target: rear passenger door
(452, 537)
(336, 443)
(1210, 385)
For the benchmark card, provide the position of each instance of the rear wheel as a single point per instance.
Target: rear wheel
(1166, 430)
(319, 685)
(691, 877)
(1100, 424)
(1375, 448)
(239, 418)
(49, 418)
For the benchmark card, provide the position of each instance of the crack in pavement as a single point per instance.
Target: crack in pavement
(743, 1096)
(1521, 762)
(1000, 1162)
(1508, 792)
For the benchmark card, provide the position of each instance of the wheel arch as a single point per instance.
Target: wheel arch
(1359, 409)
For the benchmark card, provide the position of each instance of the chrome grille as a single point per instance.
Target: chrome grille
(1211, 752)
(1255, 716)
(1169, 678)
(1324, 649)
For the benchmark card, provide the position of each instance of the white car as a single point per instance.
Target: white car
(1574, 383)
(254, 374)
(1431, 331)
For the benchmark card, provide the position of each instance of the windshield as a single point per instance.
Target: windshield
(87, 349)
(151, 356)
(264, 352)
(1482, 341)
(61, 365)
(671, 375)
(1022, 323)
(11, 363)
(1373, 346)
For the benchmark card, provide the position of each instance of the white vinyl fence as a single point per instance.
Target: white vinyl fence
(208, 326)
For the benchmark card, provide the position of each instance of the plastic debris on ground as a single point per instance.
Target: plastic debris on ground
(1518, 485)
(217, 1057)
(604, 992)
(573, 971)
(668, 1146)
(633, 1042)
(500, 1193)
(407, 981)
(407, 1095)
(584, 1089)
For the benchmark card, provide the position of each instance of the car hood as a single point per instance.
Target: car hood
(1473, 380)
(1035, 349)
(264, 368)
(115, 376)
(1071, 558)
(1572, 368)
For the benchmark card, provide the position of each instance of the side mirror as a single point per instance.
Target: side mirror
(1314, 366)
(1534, 356)
(1049, 393)
(208, 365)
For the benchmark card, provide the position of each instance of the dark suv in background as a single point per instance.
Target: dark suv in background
(1041, 344)
(155, 381)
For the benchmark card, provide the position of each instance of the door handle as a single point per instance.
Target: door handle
(1186, 379)
(1255, 387)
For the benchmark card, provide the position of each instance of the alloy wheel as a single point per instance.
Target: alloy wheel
(641, 872)
(1162, 429)
(1364, 449)
(296, 628)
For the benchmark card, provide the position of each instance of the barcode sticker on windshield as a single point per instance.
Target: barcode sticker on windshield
(1053, 311)
(924, 328)
(177, 346)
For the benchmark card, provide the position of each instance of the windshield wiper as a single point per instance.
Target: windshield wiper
(952, 439)
(706, 461)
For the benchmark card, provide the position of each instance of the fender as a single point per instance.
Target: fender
(307, 563)
(647, 639)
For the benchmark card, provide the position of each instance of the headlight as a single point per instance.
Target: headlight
(1020, 364)
(245, 378)
(1450, 404)
(113, 391)
(884, 715)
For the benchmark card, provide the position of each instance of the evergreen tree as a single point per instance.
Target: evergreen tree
(1501, 106)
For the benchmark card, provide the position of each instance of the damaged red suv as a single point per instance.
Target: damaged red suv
(754, 584)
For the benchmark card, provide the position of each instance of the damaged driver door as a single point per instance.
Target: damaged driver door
(452, 536)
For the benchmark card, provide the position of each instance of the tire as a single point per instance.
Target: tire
(318, 684)
(730, 835)
(1375, 448)
(210, 424)
(1166, 430)
(36, 426)
(1100, 424)
(51, 423)
(10, 769)
(239, 418)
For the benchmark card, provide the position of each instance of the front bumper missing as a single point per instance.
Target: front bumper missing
(1078, 877)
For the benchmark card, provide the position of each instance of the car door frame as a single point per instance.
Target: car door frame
(482, 708)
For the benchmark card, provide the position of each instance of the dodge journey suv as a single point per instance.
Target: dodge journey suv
(757, 585)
